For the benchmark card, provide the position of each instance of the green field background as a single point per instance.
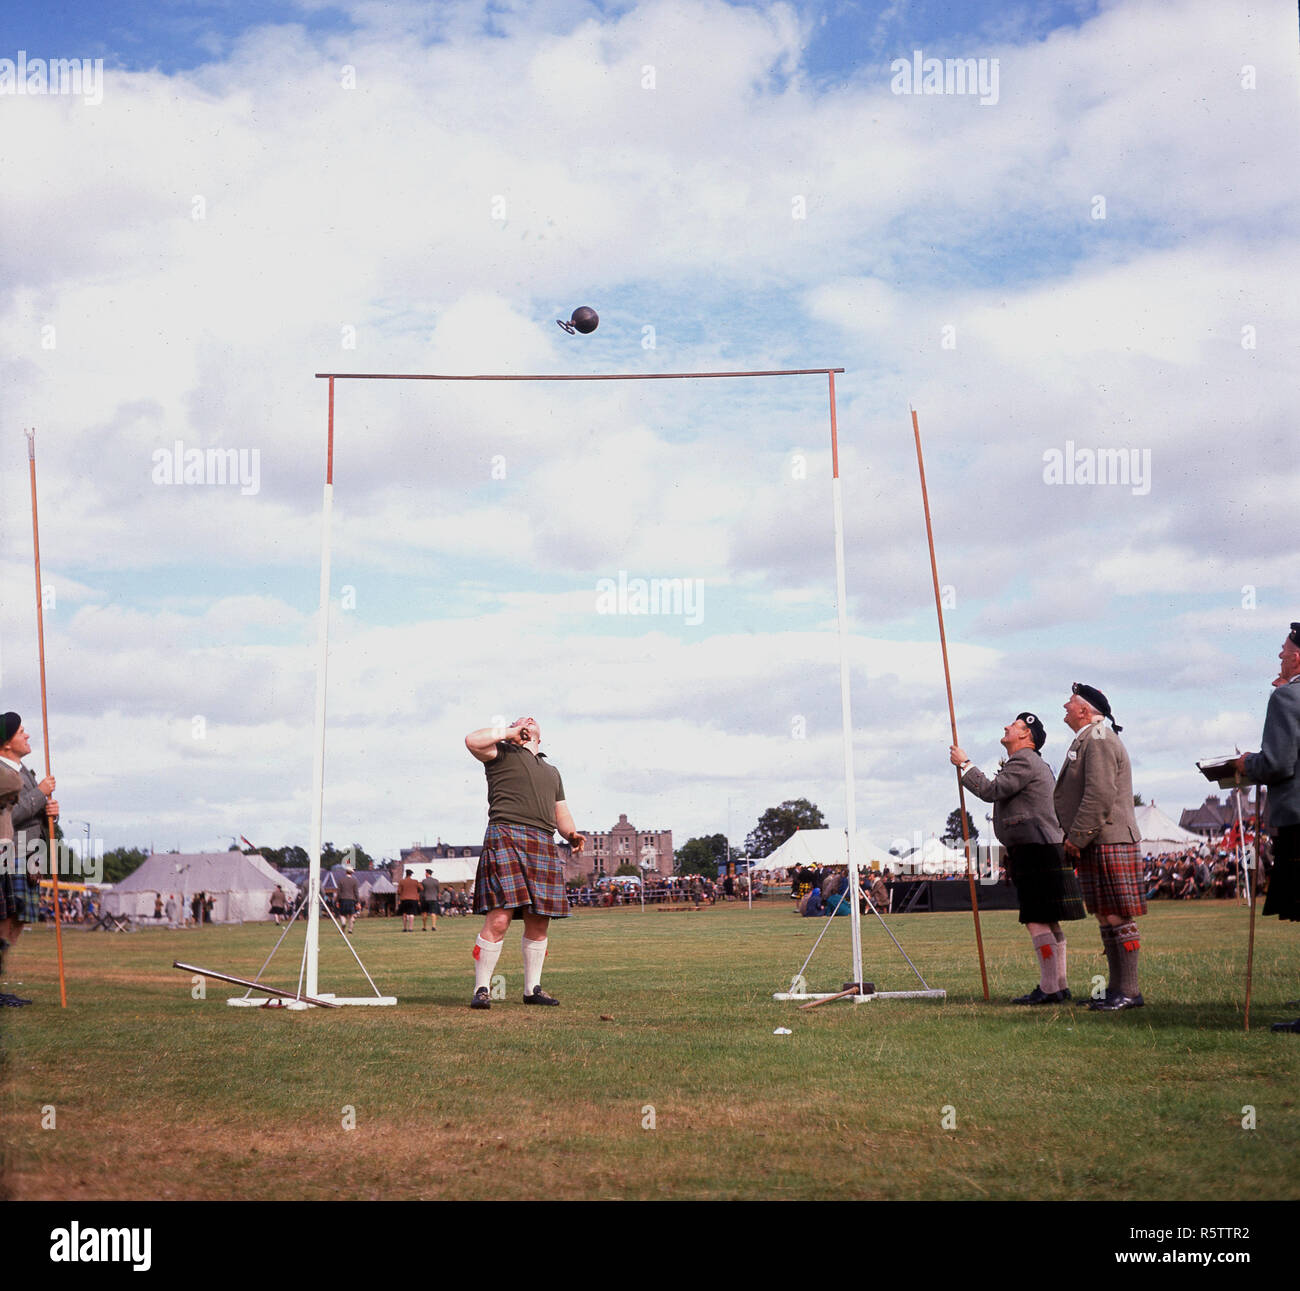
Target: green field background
(140, 1091)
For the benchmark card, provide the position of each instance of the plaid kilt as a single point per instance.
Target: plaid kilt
(8, 899)
(19, 899)
(520, 869)
(1046, 888)
(28, 893)
(1110, 875)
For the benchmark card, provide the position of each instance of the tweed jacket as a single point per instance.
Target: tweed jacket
(29, 812)
(1021, 794)
(11, 784)
(1094, 792)
(1277, 764)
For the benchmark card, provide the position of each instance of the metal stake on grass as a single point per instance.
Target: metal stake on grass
(297, 998)
(952, 712)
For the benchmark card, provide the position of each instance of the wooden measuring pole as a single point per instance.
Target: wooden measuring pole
(952, 712)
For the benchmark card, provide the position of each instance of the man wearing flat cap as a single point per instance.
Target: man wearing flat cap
(23, 835)
(1025, 823)
(520, 871)
(1094, 803)
(1277, 764)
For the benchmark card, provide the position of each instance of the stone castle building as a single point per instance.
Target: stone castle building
(606, 850)
(624, 844)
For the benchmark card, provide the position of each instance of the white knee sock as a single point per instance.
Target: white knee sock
(1062, 982)
(534, 958)
(486, 954)
(1045, 947)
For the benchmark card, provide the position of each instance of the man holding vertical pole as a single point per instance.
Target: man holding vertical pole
(1277, 764)
(1025, 823)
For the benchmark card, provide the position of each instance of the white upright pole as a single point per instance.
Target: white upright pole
(318, 770)
(846, 702)
(1243, 865)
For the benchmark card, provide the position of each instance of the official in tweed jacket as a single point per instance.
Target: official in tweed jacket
(1094, 803)
(1025, 823)
(1277, 765)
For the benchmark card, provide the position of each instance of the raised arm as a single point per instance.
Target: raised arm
(483, 743)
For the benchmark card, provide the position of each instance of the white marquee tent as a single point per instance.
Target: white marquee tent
(932, 857)
(824, 847)
(240, 885)
(1160, 834)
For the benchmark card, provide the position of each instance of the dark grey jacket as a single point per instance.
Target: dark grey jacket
(29, 819)
(1021, 794)
(1277, 764)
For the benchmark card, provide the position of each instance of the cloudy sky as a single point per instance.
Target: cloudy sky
(1085, 256)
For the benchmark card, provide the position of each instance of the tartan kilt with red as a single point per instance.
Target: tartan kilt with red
(1110, 875)
(520, 869)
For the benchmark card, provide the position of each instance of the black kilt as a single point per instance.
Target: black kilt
(1046, 886)
(1283, 897)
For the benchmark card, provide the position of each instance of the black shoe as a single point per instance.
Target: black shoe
(1118, 1003)
(12, 1001)
(1039, 996)
(481, 999)
(1064, 994)
(1286, 1026)
(539, 996)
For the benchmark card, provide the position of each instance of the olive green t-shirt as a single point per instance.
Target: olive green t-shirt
(523, 788)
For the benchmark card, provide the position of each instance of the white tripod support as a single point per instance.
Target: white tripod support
(850, 805)
(304, 999)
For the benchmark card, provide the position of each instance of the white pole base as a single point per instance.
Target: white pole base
(263, 1001)
(260, 1001)
(863, 999)
(910, 995)
(824, 995)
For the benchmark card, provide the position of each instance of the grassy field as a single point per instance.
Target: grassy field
(685, 1094)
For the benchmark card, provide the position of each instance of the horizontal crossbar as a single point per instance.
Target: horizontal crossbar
(589, 376)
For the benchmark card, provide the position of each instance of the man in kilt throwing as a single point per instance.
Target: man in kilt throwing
(1025, 823)
(520, 872)
(1094, 803)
